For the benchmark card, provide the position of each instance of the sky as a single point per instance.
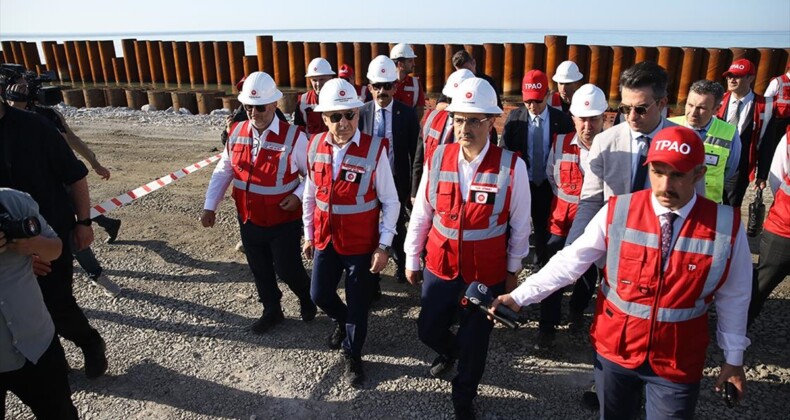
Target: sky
(107, 17)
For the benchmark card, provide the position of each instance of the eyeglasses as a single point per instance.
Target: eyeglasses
(335, 118)
(639, 109)
(473, 123)
(259, 108)
(380, 86)
(533, 102)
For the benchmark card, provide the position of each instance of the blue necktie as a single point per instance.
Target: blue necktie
(641, 169)
(382, 130)
(538, 162)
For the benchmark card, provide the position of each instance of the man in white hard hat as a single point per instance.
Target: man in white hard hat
(350, 210)
(471, 216)
(398, 123)
(565, 171)
(319, 71)
(568, 79)
(264, 159)
(409, 89)
(778, 91)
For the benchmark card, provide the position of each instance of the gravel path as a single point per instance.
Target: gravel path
(178, 349)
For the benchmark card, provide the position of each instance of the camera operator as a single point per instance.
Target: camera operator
(32, 363)
(35, 159)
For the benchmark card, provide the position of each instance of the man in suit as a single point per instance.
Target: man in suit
(396, 121)
(528, 132)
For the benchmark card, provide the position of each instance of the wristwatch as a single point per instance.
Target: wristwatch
(85, 222)
(385, 248)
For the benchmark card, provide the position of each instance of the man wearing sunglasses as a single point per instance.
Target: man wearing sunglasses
(350, 210)
(264, 159)
(319, 71)
(471, 216)
(397, 122)
(409, 89)
(528, 132)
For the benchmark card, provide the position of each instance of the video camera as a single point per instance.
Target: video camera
(43, 95)
(26, 227)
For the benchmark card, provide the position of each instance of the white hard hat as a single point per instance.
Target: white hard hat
(567, 72)
(259, 89)
(588, 101)
(319, 67)
(474, 95)
(455, 80)
(382, 70)
(402, 50)
(337, 95)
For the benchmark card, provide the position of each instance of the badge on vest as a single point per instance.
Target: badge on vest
(351, 173)
(274, 146)
(711, 159)
(483, 194)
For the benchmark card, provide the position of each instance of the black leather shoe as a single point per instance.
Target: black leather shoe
(95, 358)
(441, 365)
(375, 294)
(464, 411)
(268, 320)
(590, 400)
(353, 374)
(575, 321)
(307, 310)
(545, 340)
(337, 337)
(112, 230)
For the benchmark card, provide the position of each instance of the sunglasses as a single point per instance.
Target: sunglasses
(639, 109)
(380, 86)
(533, 102)
(473, 123)
(259, 108)
(335, 118)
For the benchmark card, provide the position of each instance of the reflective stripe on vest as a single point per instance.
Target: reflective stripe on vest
(782, 97)
(415, 88)
(427, 129)
(559, 149)
(718, 143)
(718, 249)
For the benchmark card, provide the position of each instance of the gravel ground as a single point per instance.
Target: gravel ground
(176, 341)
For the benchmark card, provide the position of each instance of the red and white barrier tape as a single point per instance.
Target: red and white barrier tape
(150, 187)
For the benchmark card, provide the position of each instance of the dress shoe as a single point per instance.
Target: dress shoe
(95, 358)
(337, 336)
(441, 365)
(576, 321)
(590, 400)
(464, 411)
(375, 292)
(268, 320)
(545, 340)
(307, 309)
(112, 230)
(353, 374)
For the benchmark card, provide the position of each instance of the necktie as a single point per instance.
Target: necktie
(735, 118)
(538, 162)
(641, 169)
(666, 220)
(382, 130)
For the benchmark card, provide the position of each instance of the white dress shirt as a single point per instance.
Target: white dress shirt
(731, 299)
(223, 172)
(544, 120)
(583, 167)
(780, 165)
(383, 183)
(744, 116)
(520, 202)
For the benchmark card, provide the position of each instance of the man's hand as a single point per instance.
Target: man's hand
(506, 300)
(103, 172)
(378, 261)
(414, 277)
(291, 203)
(511, 281)
(734, 375)
(759, 184)
(208, 218)
(83, 237)
(41, 268)
(308, 249)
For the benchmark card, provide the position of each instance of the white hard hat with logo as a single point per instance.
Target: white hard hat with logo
(588, 101)
(402, 50)
(382, 70)
(455, 80)
(474, 95)
(319, 67)
(337, 95)
(567, 72)
(259, 89)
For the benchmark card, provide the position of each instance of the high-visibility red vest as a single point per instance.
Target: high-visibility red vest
(409, 92)
(782, 98)
(642, 314)
(568, 177)
(305, 105)
(555, 101)
(362, 92)
(778, 220)
(260, 186)
(347, 208)
(467, 237)
(762, 108)
(434, 132)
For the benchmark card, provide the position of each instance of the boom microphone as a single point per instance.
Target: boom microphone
(478, 296)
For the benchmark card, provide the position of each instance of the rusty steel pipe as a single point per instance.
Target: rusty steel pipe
(143, 67)
(250, 64)
(311, 50)
(434, 67)
(646, 54)
(155, 61)
(221, 60)
(493, 66)
(767, 68)
(362, 59)
(168, 62)
(70, 48)
(236, 59)
(119, 70)
(580, 54)
(94, 61)
(329, 52)
(420, 66)
(379, 48)
(296, 64)
(670, 59)
(534, 58)
(600, 66)
(513, 71)
(49, 53)
(718, 61)
(208, 63)
(282, 76)
(63, 64)
(193, 60)
(622, 58)
(83, 62)
(181, 62)
(263, 44)
(690, 71)
(345, 54)
(106, 54)
(449, 51)
(556, 53)
(129, 55)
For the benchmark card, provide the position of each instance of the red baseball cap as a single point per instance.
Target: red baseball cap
(678, 147)
(345, 72)
(534, 85)
(740, 68)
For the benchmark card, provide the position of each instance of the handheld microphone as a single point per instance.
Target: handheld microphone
(478, 296)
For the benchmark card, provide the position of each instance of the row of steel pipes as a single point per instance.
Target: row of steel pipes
(206, 63)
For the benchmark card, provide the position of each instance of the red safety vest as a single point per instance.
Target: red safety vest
(555, 101)
(362, 92)
(467, 237)
(434, 133)
(568, 177)
(762, 106)
(778, 220)
(347, 208)
(260, 186)
(782, 98)
(409, 92)
(305, 105)
(642, 314)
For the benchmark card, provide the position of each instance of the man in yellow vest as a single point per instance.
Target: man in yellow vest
(722, 142)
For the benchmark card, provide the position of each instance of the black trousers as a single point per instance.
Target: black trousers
(400, 238)
(541, 208)
(275, 252)
(772, 267)
(42, 386)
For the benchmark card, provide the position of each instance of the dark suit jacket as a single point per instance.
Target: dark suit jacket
(405, 130)
(515, 133)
